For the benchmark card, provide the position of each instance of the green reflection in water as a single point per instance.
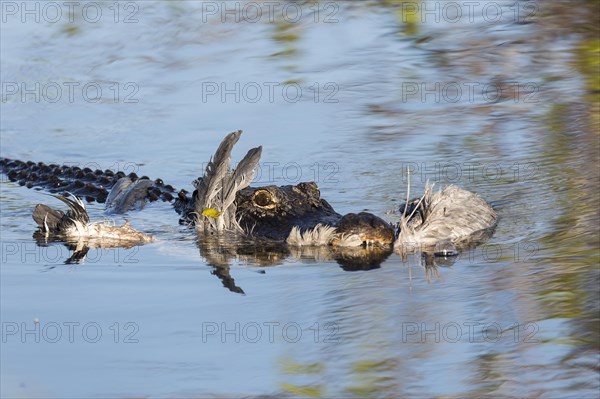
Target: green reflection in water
(409, 15)
(569, 289)
(291, 367)
(298, 368)
(287, 34)
(283, 32)
(406, 12)
(373, 377)
(71, 30)
(303, 390)
(589, 61)
(488, 376)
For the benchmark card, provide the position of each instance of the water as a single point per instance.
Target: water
(517, 317)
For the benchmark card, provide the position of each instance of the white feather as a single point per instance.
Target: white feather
(320, 235)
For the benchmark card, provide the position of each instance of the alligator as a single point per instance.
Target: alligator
(294, 215)
(222, 201)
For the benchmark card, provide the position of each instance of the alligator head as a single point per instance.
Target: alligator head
(298, 215)
(294, 214)
(273, 211)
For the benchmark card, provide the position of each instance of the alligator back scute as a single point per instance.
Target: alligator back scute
(93, 185)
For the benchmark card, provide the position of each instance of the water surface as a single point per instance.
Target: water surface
(506, 107)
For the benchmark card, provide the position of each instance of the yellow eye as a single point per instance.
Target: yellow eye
(264, 199)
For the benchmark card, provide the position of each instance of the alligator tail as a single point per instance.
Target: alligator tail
(94, 186)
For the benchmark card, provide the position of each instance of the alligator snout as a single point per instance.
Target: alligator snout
(365, 228)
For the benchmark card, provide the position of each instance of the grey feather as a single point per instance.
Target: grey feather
(218, 167)
(77, 208)
(117, 191)
(242, 176)
(47, 218)
(218, 187)
(126, 194)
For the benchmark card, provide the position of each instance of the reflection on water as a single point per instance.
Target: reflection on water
(504, 106)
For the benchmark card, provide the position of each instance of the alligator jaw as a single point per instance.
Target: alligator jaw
(352, 230)
(363, 228)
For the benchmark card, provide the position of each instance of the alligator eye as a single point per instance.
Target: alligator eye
(264, 199)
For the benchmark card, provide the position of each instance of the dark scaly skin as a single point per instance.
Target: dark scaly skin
(82, 182)
(272, 211)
